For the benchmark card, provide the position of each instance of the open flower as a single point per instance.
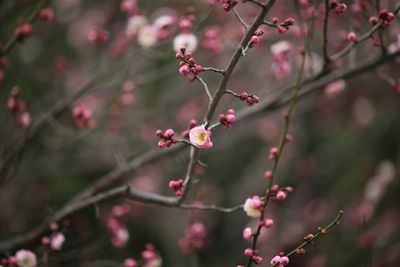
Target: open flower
(148, 36)
(134, 25)
(25, 258)
(200, 137)
(186, 40)
(253, 207)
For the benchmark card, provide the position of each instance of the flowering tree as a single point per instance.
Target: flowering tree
(138, 135)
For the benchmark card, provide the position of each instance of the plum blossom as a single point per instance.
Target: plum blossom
(186, 40)
(282, 66)
(57, 240)
(130, 263)
(148, 36)
(335, 88)
(151, 256)
(134, 25)
(200, 137)
(253, 207)
(394, 47)
(25, 258)
(164, 21)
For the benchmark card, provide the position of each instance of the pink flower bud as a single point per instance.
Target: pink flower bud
(247, 233)
(352, 37)
(268, 223)
(46, 14)
(248, 252)
(184, 69)
(280, 195)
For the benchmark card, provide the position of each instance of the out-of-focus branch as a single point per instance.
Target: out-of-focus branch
(14, 38)
(118, 192)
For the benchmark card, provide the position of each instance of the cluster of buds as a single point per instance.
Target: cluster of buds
(46, 14)
(284, 26)
(194, 238)
(339, 8)
(273, 153)
(117, 229)
(98, 36)
(278, 193)
(280, 260)
(167, 138)
(56, 239)
(253, 207)
(125, 99)
(192, 124)
(10, 262)
(227, 5)
(386, 16)
(255, 38)
(177, 186)
(249, 98)
(266, 223)
(227, 119)
(151, 256)
(83, 116)
(23, 31)
(254, 255)
(17, 107)
(187, 65)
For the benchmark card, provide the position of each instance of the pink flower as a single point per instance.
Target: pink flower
(57, 240)
(281, 195)
(247, 233)
(130, 263)
(25, 258)
(280, 261)
(200, 137)
(335, 88)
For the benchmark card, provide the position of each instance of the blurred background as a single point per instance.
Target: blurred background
(345, 152)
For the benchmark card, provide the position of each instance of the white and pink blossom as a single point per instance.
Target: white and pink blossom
(200, 137)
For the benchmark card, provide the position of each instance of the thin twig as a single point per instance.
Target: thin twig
(364, 37)
(205, 86)
(240, 19)
(213, 70)
(322, 231)
(325, 35)
(14, 38)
